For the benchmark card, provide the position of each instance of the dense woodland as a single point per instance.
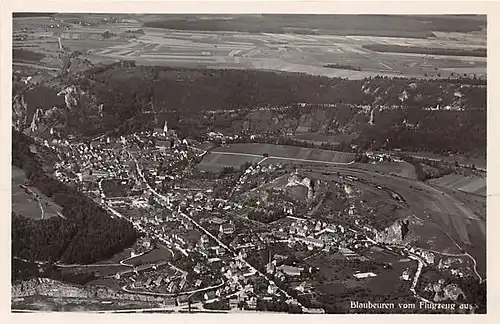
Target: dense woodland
(87, 235)
(438, 131)
(138, 98)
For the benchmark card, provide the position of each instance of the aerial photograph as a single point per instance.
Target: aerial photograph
(248, 163)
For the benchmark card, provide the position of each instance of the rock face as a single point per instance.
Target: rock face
(450, 292)
(19, 112)
(56, 289)
(300, 187)
(37, 117)
(69, 96)
(395, 234)
(453, 292)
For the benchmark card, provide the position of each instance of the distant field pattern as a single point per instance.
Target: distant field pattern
(472, 184)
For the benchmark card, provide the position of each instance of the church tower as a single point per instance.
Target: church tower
(165, 128)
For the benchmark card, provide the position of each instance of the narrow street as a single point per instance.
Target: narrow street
(164, 199)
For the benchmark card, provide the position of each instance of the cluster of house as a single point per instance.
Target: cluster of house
(318, 234)
(142, 245)
(453, 265)
(406, 275)
(428, 256)
(376, 157)
(163, 281)
(85, 163)
(253, 170)
(443, 292)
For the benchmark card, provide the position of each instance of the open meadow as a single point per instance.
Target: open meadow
(215, 162)
(471, 184)
(30, 202)
(237, 154)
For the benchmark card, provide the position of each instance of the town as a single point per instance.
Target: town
(304, 164)
(237, 252)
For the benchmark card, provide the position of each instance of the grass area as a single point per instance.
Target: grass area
(117, 257)
(98, 270)
(332, 271)
(429, 236)
(470, 234)
(22, 55)
(24, 201)
(216, 162)
(403, 169)
(161, 253)
(24, 204)
(471, 184)
(283, 151)
(110, 283)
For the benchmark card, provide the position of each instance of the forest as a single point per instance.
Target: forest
(88, 234)
(136, 98)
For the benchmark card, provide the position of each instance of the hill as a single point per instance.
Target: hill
(431, 115)
(367, 25)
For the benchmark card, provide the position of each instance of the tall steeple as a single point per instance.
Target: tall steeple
(270, 265)
(165, 128)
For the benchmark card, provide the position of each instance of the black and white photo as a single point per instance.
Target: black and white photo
(248, 163)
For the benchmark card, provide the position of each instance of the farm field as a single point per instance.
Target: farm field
(26, 204)
(479, 162)
(214, 162)
(293, 153)
(470, 234)
(471, 184)
(161, 253)
(287, 51)
(400, 169)
(290, 52)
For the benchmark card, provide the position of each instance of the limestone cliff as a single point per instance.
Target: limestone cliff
(294, 181)
(394, 234)
(57, 289)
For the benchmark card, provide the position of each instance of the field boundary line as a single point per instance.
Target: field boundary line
(284, 158)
